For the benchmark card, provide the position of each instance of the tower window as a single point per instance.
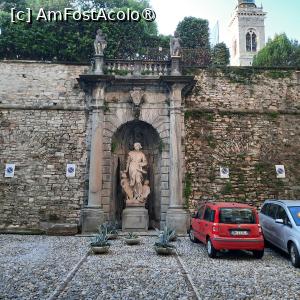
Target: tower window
(254, 42)
(251, 41)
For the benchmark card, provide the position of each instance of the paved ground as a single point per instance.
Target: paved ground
(42, 267)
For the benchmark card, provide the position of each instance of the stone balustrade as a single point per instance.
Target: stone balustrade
(137, 67)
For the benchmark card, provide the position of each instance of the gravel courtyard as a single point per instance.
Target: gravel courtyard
(44, 267)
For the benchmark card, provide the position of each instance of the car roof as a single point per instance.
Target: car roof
(285, 202)
(229, 204)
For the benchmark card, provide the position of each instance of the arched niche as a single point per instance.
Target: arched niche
(122, 142)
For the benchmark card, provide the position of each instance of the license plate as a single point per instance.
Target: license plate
(239, 232)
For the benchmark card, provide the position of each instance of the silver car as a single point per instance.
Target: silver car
(280, 222)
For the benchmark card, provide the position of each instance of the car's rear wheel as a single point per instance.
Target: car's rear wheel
(211, 251)
(192, 236)
(258, 253)
(294, 254)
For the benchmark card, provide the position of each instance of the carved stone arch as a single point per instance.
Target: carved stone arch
(122, 142)
(131, 107)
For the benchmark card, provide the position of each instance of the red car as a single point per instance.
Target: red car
(227, 226)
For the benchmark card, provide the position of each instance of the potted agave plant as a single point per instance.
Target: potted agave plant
(99, 243)
(111, 229)
(132, 239)
(172, 234)
(163, 245)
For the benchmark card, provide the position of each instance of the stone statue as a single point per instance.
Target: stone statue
(100, 42)
(126, 187)
(146, 189)
(175, 47)
(136, 189)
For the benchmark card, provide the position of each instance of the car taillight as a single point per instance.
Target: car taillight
(215, 228)
(259, 228)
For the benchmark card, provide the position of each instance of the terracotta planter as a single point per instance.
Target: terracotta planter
(164, 251)
(100, 250)
(131, 242)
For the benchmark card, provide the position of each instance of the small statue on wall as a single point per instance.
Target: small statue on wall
(132, 178)
(175, 46)
(100, 42)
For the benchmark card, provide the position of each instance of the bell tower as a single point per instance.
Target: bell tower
(247, 31)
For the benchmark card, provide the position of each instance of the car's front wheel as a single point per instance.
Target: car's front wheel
(192, 236)
(258, 253)
(211, 251)
(294, 254)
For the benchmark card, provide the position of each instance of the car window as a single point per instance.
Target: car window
(207, 214)
(265, 209)
(272, 211)
(295, 212)
(212, 216)
(200, 212)
(281, 214)
(237, 216)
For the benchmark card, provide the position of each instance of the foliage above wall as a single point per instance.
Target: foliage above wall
(220, 55)
(279, 52)
(194, 32)
(73, 41)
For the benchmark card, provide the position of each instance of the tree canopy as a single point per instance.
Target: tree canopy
(279, 52)
(35, 5)
(73, 41)
(220, 55)
(194, 32)
(7, 5)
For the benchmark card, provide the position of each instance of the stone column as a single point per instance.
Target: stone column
(93, 214)
(177, 217)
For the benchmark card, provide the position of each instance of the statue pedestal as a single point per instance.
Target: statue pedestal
(175, 66)
(92, 218)
(135, 219)
(99, 64)
(178, 219)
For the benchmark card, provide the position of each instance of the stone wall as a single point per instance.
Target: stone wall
(246, 89)
(42, 128)
(40, 85)
(247, 120)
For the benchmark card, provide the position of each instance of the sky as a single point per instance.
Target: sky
(282, 15)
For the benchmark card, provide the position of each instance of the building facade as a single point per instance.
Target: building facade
(247, 31)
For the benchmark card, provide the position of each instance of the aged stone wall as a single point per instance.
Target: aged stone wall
(246, 89)
(40, 85)
(247, 120)
(42, 128)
